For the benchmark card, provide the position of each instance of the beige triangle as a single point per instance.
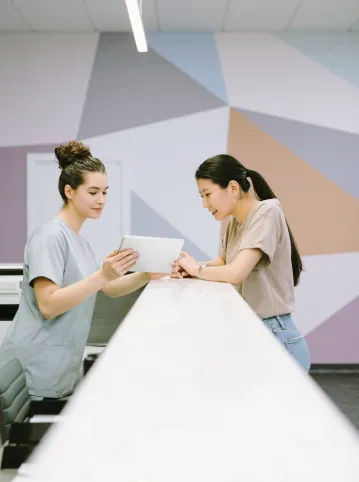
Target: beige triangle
(324, 218)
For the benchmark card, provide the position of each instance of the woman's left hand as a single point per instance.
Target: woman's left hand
(188, 263)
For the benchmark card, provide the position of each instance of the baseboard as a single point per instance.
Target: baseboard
(334, 368)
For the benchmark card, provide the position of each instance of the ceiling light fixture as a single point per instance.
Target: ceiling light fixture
(135, 13)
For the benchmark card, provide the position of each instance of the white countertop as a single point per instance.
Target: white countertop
(193, 388)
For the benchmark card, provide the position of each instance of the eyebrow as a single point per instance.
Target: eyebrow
(205, 189)
(97, 188)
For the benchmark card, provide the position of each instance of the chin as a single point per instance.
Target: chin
(219, 217)
(94, 215)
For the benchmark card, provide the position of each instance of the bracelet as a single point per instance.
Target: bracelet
(200, 269)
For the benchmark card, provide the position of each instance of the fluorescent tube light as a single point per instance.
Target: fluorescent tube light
(134, 12)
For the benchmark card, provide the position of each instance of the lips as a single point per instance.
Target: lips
(214, 213)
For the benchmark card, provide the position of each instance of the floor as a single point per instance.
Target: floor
(343, 389)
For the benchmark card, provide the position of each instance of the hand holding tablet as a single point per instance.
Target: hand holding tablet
(156, 255)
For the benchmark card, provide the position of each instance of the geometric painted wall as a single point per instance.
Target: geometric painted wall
(285, 104)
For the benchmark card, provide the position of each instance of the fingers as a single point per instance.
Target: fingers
(182, 255)
(122, 256)
(129, 260)
(126, 250)
(177, 268)
(122, 267)
(114, 253)
(123, 261)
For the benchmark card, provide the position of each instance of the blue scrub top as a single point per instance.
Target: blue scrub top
(51, 351)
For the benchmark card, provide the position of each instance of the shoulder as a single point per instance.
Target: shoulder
(51, 232)
(270, 208)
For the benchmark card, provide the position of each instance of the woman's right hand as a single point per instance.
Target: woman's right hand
(178, 271)
(118, 263)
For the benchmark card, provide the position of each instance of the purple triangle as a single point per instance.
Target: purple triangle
(13, 187)
(337, 339)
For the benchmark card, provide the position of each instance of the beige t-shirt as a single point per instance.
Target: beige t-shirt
(269, 288)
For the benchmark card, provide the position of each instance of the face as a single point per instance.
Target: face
(219, 202)
(89, 199)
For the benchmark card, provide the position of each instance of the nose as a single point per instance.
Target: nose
(102, 199)
(205, 203)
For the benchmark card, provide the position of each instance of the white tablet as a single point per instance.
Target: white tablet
(156, 254)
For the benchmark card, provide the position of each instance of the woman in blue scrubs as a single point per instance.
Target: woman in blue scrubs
(61, 279)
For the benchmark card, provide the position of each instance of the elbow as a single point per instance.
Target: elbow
(112, 295)
(236, 281)
(46, 312)
(237, 278)
(108, 293)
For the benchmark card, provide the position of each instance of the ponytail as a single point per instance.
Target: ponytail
(263, 192)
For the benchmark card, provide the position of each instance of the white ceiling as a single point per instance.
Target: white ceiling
(179, 15)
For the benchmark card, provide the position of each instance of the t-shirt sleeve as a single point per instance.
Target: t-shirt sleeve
(47, 256)
(263, 234)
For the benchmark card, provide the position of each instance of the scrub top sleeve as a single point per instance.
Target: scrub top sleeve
(47, 257)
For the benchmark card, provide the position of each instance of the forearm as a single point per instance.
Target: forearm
(126, 284)
(64, 299)
(215, 262)
(224, 273)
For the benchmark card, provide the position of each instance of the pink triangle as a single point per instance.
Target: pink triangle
(337, 339)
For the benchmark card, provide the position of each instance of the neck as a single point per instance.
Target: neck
(71, 218)
(244, 207)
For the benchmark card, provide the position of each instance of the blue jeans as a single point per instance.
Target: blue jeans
(290, 337)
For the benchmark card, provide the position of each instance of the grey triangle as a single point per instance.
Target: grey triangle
(129, 89)
(147, 222)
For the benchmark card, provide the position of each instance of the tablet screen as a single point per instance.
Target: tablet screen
(156, 254)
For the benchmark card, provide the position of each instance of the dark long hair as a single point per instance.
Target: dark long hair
(224, 168)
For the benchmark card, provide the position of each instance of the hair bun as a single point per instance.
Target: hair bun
(71, 152)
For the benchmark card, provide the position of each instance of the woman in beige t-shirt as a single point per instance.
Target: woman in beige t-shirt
(258, 255)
